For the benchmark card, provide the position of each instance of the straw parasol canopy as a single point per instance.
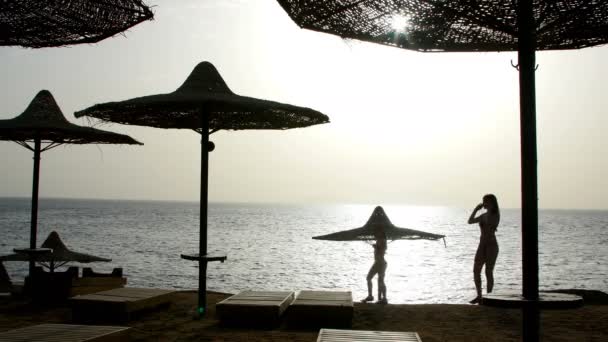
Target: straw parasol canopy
(53, 23)
(474, 25)
(43, 122)
(205, 104)
(57, 257)
(458, 25)
(204, 91)
(379, 219)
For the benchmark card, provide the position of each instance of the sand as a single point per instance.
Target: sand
(433, 322)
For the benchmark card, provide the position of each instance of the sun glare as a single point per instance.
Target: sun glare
(400, 23)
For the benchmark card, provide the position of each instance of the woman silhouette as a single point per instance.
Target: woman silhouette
(487, 251)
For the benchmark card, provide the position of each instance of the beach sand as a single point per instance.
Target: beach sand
(433, 322)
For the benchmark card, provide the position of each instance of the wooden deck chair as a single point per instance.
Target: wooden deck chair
(117, 305)
(65, 333)
(262, 309)
(331, 309)
(338, 335)
(5, 281)
(7, 287)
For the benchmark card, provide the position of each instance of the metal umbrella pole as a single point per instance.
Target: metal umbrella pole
(204, 103)
(35, 187)
(529, 187)
(202, 257)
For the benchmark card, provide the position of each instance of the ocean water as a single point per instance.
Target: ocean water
(269, 247)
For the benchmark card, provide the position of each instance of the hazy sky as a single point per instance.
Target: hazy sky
(406, 127)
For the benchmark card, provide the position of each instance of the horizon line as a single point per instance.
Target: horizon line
(281, 203)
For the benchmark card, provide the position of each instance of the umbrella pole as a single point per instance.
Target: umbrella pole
(527, 66)
(202, 263)
(34, 216)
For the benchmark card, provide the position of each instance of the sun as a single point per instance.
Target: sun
(400, 23)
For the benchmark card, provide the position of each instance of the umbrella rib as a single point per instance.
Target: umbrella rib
(50, 146)
(61, 264)
(24, 144)
(211, 131)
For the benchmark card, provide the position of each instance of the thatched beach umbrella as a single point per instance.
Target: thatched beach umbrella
(379, 222)
(52, 23)
(379, 219)
(205, 104)
(43, 122)
(58, 255)
(472, 26)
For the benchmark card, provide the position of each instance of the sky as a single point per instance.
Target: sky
(411, 128)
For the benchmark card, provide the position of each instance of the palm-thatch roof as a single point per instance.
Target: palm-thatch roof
(51, 23)
(379, 219)
(455, 25)
(204, 103)
(205, 93)
(58, 255)
(524, 26)
(43, 120)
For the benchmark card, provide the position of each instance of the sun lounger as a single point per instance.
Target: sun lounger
(50, 287)
(88, 272)
(335, 335)
(117, 305)
(59, 286)
(254, 308)
(92, 282)
(7, 287)
(65, 333)
(321, 309)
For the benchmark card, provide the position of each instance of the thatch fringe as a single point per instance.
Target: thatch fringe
(52, 23)
(43, 120)
(205, 95)
(455, 25)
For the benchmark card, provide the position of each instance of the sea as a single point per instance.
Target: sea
(270, 246)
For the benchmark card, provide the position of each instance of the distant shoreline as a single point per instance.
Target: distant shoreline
(23, 198)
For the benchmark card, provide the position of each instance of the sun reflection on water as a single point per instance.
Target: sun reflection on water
(270, 247)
